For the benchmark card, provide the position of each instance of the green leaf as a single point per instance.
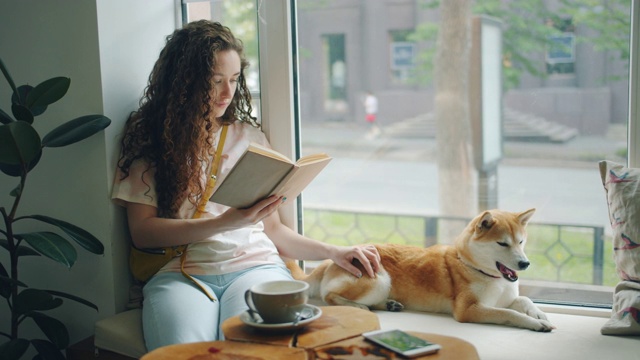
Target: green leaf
(47, 350)
(79, 235)
(19, 143)
(16, 190)
(22, 250)
(7, 76)
(54, 329)
(22, 113)
(5, 283)
(48, 92)
(14, 349)
(8, 280)
(73, 297)
(19, 99)
(35, 300)
(20, 95)
(16, 170)
(52, 246)
(75, 130)
(5, 118)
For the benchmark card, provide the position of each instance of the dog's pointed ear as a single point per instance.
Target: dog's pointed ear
(525, 216)
(485, 222)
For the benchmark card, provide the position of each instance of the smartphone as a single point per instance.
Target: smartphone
(401, 342)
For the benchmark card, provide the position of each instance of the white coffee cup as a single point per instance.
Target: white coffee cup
(278, 302)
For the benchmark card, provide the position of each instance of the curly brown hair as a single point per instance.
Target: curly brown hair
(173, 127)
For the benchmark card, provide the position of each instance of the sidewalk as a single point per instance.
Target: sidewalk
(351, 140)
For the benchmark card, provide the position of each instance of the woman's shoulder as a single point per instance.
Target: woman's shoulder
(248, 132)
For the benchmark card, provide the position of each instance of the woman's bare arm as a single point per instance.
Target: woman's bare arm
(292, 245)
(150, 231)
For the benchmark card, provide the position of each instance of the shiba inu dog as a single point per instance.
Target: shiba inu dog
(475, 279)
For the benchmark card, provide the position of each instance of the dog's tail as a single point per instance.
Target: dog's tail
(296, 271)
(314, 279)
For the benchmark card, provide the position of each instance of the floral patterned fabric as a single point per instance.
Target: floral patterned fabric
(622, 187)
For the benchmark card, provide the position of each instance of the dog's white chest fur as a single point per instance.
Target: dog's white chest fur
(496, 292)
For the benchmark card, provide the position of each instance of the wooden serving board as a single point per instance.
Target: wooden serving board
(336, 323)
(359, 348)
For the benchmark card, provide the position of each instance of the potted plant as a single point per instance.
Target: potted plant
(20, 150)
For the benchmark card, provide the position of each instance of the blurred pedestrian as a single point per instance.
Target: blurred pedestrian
(371, 113)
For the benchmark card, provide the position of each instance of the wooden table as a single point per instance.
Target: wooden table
(335, 335)
(336, 323)
(223, 350)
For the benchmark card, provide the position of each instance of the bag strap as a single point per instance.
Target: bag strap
(200, 209)
(211, 183)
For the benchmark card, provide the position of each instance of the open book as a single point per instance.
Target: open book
(261, 172)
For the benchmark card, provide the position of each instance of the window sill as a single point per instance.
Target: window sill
(575, 310)
(568, 295)
(577, 336)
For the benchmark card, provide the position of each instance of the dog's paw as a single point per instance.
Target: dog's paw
(535, 313)
(526, 306)
(393, 305)
(544, 326)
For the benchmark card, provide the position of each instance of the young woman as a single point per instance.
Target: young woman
(168, 148)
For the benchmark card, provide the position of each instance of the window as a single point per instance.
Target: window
(402, 53)
(560, 54)
(394, 187)
(335, 74)
(241, 17)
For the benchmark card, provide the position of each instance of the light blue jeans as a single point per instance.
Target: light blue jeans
(175, 311)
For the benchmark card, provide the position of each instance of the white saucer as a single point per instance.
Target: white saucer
(246, 318)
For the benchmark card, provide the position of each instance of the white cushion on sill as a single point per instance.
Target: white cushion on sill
(576, 337)
(121, 333)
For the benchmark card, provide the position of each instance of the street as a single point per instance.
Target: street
(563, 196)
(400, 176)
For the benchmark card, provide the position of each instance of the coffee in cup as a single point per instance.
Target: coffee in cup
(278, 302)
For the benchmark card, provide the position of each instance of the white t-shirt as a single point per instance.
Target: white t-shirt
(221, 253)
(371, 104)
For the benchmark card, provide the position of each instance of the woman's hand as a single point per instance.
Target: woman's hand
(150, 231)
(292, 245)
(367, 255)
(239, 218)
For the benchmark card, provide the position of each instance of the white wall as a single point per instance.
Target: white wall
(107, 48)
(131, 35)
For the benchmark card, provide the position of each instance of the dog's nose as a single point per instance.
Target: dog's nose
(523, 264)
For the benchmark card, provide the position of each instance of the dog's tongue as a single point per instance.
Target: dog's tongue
(507, 273)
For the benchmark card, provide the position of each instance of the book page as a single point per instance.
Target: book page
(312, 158)
(259, 149)
(300, 177)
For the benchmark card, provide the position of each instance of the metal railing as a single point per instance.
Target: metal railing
(558, 246)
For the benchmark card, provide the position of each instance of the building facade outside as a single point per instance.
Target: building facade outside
(366, 46)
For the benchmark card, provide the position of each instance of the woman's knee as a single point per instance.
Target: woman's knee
(175, 311)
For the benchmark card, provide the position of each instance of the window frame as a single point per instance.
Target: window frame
(633, 132)
(278, 90)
